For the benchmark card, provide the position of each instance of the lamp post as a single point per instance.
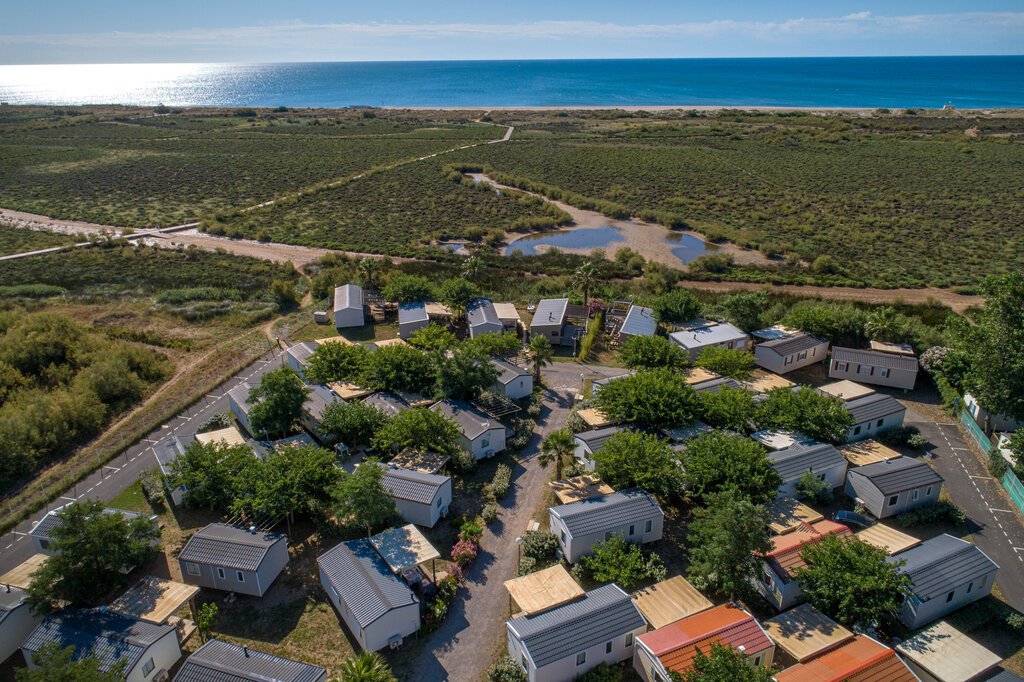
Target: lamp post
(519, 553)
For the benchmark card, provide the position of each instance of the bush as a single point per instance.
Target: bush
(489, 513)
(463, 461)
(943, 510)
(527, 564)
(217, 421)
(1015, 621)
(602, 673)
(506, 670)
(899, 435)
(523, 434)
(534, 410)
(917, 441)
(811, 487)
(997, 464)
(624, 563)
(539, 544)
(501, 482)
(152, 487)
(470, 531)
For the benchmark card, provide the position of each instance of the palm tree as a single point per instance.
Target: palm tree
(883, 324)
(584, 278)
(368, 666)
(369, 270)
(471, 267)
(556, 448)
(539, 353)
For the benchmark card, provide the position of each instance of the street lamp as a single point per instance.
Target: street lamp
(519, 552)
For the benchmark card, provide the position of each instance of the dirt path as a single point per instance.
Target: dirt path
(460, 650)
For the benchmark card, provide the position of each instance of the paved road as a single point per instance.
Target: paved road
(116, 476)
(461, 648)
(995, 525)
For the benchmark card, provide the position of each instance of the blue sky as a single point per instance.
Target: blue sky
(59, 31)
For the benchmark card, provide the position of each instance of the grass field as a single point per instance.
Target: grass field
(18, 240)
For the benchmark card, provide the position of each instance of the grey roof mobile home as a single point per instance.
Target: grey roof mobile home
(893, 486)
(233, 559)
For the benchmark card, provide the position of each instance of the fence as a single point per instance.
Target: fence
(975, 432)
(1015, 488)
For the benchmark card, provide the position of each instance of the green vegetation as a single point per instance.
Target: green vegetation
(726, 540)
(633, 459)
(558, 447)
(624, 563)
(421, 429)
(676, 306)
(649, 352)
(361, 498)
(719, 462)
(723, 664)
(55, 664)
(653, 397)
(818, 416)
(277, 403)
(18, 239)
(729, 362)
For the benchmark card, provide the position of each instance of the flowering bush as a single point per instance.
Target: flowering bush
(471, 532)
(464, 552)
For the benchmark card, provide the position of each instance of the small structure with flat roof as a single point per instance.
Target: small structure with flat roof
(633, 514)
(509, 316)
(481, 318)
(346, 390)
(941, 653)
(232, 559)
(513, 382)
(595, 418)
(427, 462)
(404, 548)
(804, 632)
(348, 306)
(17, 621)
(420, 498)
(861, 659)
(673, 647)
(639, 322)
(846, 390)
(155, 599)
(701, 334)
(897, 348)
(780, 439)
(566, 641)
(867, 451)
(217, 661)
(887, 538)
(670, 600)
(481, 435)
(227, 436)
(779, 584)
(543, 590)
(790, 351)
(760, 382)
(412, 317)
(580, 488)
(891, 487)
(787, 514)
(820, 459)
(262, 448)
(873, 367)
(694, 376)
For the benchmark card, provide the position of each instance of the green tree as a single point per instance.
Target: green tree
(852, 581)
(816, 415)
(729, 362)
(369, 666)
(558, 447)
(288, 480)
(716, 462)
(624, 563)
(649, 352)
(676, 306)
(813, 488)
(400, 368)
(205, 620)
(465, 373)
(633, 459)
(584, 279)
(653, 397)
(732, 409)
(409, 289)
(336, 361)
(495, 344)
(59, 665)
(539, 352)
(722, 664)
(277, 402)
(725, 540)
(93, 549)
(994, 347)
(472, 267)
(284, 294)
(208, 472)
(361, 497)
(885, 324)
(434, 337)
(840, 323)
(370, 271)
(421, 429)
(745, 309)
(456, 293)
(354, 423)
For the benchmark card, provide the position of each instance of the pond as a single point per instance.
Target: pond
(689, 246)
(685, 247)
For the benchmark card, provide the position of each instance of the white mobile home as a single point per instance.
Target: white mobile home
(166, 451)
(893, 486)
(565, 642)
(482, 318)
(238, 402)
(700, 334)
(639, 322)
(873, 414)
(822, 460)
(481, 435)
(298, 355)
(588, 443)
(421, 498)
(513, 382)
(348, 306)
(549, 319)
(412, 317)
(379, 609)
(873, 367)
(232, 559)
(319, 398)
(632, 514)
(17, 621)
(791, 351)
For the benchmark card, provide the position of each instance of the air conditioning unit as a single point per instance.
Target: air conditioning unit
(395, 642)
(161, 676)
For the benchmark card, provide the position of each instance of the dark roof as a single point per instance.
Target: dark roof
(363, 580)
(11, 598)
(874, 406)
(481, 311)
(412, 312)
(471, 421)
(716, 385)
(388, 403)
(415, 486)
(221, 545)
(897, 475)
(108, 636)
(507, 372)
(791, 463)
(1004, 676)
(788, 345)
(600, 615)
(51, 520)
(317, 401)
(607, 511)
(595, 439)
(218, 661)
(942, 564)
(875, 358)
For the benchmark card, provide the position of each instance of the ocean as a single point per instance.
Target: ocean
(872, 82)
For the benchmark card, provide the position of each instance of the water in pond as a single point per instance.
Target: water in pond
(583, 238)
(689, 246)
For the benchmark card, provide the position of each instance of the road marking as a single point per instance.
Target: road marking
(987, 478)
(1005, 511)
(65, 497)
(1018, 549)
(109, 466)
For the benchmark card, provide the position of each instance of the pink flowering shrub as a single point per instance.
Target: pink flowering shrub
(464, 552)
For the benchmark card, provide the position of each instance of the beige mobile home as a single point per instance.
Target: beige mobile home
(873, 367)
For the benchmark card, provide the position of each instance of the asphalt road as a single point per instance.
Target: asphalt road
(996, 527)
(120, 473)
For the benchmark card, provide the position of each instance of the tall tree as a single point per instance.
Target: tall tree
(729, 362)
(370, 271)
(361, 497)
(732, 409)
(717, 462)
(745, 309)
(495, 344)
(722, 664)
(584, 278)
(558, 447)
(456, 293)
(93, 549)
(277, 402)
(465, 373)
(208, 473)
(624, 563)
(421, 429)
(649, 352)
(539, 352)
(633, 459)
(55, 664)
(816, 415)
(368, 666)
(409, 289)
(653, 397)
(353, 424)
(885, 324)
(336, 361)
(852, 582)
(434, 337)
(725, 540)
(400, 368)
(288, 480)
(676, 306)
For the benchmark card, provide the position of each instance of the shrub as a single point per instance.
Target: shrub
(463, 461)
(217, 421)
(501, 482)
(615, 560)
(523, 434)
(602, 673)
(899, 435)
(811, 487)
(997, 464)
(506, 670)
(464, 552)
(489, 513)
(470, 531)
(527, 564)
(152, 488)
(917, 441)
(943, 510)
(539, 544)
(534, 410)
(1015, 621)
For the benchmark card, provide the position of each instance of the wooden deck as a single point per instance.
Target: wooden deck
(154, 599)
(669, 601)
(804, 632)
(887, 538)
(21, 575)
(544, 589)
(868, 451)
(580, 488)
